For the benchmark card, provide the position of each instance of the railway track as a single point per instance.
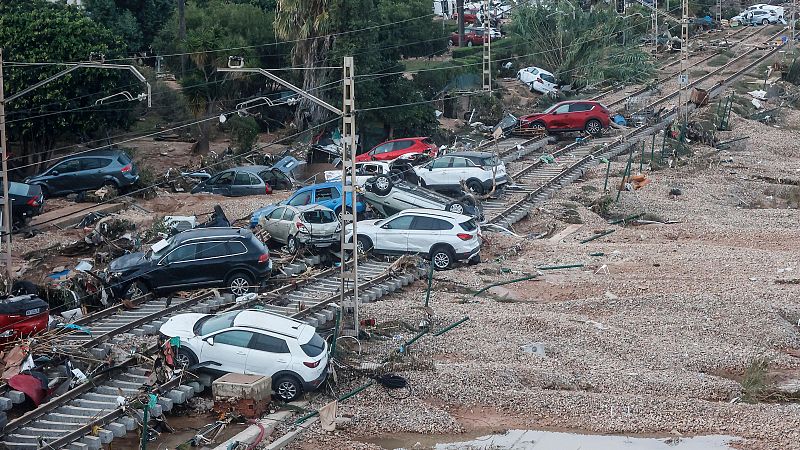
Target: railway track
(90, 416)
(539, 180)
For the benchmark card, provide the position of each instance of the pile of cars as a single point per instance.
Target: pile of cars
(760, 14)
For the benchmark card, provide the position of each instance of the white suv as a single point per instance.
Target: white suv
(253, 342)
(442, 236)
(476, 169)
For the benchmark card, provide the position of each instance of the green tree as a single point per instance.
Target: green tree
(136, 21)
(218, 25)
(63, 110)
(594, 46)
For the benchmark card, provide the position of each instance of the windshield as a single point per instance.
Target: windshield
(210, 324)
(314, 347)
(547, 77)
(319, 216)
(158, 249)
(491, 161)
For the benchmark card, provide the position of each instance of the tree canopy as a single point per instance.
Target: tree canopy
(137, 22)
(65, 108)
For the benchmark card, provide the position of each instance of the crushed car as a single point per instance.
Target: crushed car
(310, 226)
(389, 195)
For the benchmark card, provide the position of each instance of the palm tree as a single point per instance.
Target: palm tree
(306, 22)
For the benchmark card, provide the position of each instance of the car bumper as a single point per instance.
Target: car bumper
(309, 386)
(499, 181)
(469, 256)
(319, 241)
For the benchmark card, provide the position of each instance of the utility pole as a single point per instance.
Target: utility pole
(6, 197)
(655, 27)
(719, 11)
(182, 31)
(348, 144)
(487, 50)
(460, 10)
(4, 138)
(684, 76)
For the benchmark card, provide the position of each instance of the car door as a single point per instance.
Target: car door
(392, 236)
(272, 224)
(578, 115)
(437, 172)
(559, 118)
(213, 257)
(91, 174)
(424, 233)
(399, 148)
(177, 268)
(458, 171)
(63, 177)
(379, 152)
(268, 354)
(241, 184)
(230, 349)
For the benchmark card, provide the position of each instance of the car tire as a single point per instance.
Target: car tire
(184, 358)
(240, 283)
(765, 22)
(455, 207)
(593, 127)
(469, 43)
(363, 243)
(382, 185)
(476, 187)
(442, 257)
(292, 246)
(540, 126)
(288, 388)
(136, 289)
(450, 42)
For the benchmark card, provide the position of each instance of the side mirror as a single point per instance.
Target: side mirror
(209, 340)
(54, 172)
(430, 167)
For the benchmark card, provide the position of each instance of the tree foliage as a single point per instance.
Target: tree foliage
(64, 109)
(137, 22)
(213, 25)
(586, 49)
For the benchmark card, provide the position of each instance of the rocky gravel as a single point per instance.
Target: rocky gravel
(651, 336)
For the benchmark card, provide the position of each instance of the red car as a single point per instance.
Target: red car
(391, 150)
(470, 16)
(472, 36)
(22, 316)
(574, 115)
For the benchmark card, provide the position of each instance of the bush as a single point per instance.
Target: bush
(244, 132)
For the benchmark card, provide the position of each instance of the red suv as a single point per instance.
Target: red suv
(396, 148)
(472, 36)
(575, 115)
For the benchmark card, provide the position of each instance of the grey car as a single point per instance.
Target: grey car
(87, 171)
(245, 180)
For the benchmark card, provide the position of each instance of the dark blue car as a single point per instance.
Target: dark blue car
(325, 194)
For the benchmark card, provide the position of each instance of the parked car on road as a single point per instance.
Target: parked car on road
(442, 236)
(302, 226)
(391, 150)
(573, 115)
(388, 195)
(478, 170)
(203, 257)
(325, 194)
(253, 342)
(245, 180)
(538, 80)
(27, 200)
(87, 171)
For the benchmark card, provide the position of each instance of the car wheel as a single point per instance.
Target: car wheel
(363, 244)
(288, 388)
(455, 207)
(382, 185)
(594, 127)
(450, 42)
(476, 187)
(185, 358)
(538, 126)
(765, 22)
(442, 257)
(469, 43)
(292, 245)
(240, 283)
(137, 289)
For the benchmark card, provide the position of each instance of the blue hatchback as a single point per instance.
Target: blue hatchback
(325, 194)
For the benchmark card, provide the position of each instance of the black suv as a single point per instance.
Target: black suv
(26, 201)
(205, 257)
(87, 171)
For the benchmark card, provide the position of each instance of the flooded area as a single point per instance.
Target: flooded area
(552, 440)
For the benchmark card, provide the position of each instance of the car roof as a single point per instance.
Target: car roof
(404, 139)
(471, 154)
(214, 232)
(435, 213)
(251, 169)
(321, 185)
(313, 206)
(263, 320)
(92, 153)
